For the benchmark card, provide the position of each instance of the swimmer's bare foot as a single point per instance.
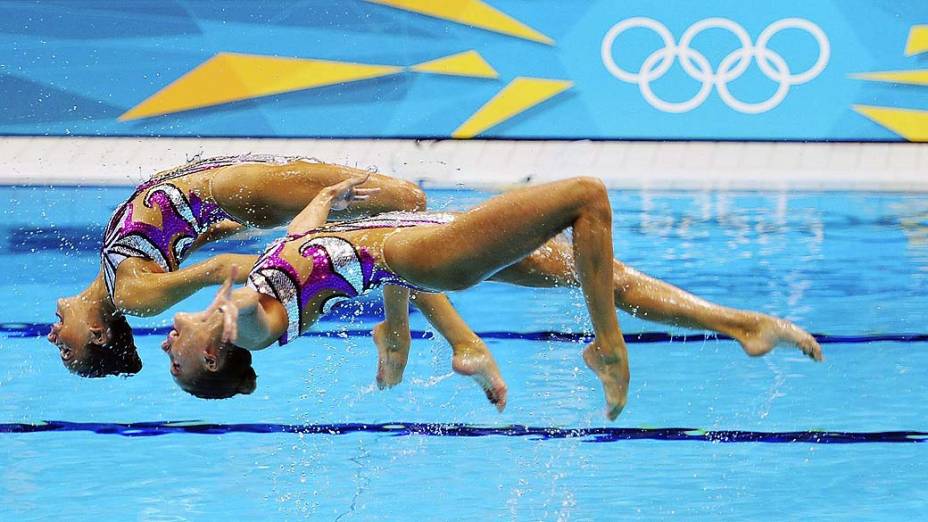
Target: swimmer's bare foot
(766, 332)
(611, 366)
(392, 353)
(475, 360)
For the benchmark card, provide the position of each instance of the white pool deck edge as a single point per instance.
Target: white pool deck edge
(494, 164)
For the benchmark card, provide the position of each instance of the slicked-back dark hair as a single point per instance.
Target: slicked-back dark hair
(116, 357)
(235, 376)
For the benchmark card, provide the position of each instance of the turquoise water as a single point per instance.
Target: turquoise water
(839, 264)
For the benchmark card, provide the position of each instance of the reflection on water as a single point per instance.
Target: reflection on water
(727, 228)
(913, 219)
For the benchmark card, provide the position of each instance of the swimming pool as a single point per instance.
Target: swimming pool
(318, 439)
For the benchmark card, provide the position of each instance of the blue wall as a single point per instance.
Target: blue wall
(74, 67)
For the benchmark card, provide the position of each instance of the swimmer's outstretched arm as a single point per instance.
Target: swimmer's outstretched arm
(217, 231)
(334, 197)
(143, 293)
(470, 355)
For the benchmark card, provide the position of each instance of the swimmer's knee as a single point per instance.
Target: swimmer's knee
(591, 191)
(590, 186)
(593, 197)
(595, 189)
(415, 199)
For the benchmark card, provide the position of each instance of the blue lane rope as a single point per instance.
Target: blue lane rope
(402, 429)
(26, 330)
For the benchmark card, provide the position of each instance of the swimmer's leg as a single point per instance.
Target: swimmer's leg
(654, 300)
(471, 357)
(511, 226)
(271, 195)
(392, 337)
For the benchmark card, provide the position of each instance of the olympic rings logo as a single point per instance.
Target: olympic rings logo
(730, 68)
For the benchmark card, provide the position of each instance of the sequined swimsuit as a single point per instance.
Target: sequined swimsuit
(339, 268)
(184, 217)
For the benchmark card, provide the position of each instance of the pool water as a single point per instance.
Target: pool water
(840, 264)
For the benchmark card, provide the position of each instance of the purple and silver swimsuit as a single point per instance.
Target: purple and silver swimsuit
(184, 217)
(339, 267)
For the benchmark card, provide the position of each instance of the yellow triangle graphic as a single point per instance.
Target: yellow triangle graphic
(909, 123)
(521, 94)
(468, 63)
(907, 77)
(474, 13)
(918, 40)
(229, 77)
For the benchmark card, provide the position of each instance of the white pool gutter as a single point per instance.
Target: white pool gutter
(898, 167)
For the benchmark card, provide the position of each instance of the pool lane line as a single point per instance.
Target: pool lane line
(402, 429)
(26, 330)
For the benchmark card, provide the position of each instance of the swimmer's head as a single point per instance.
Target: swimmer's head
(204, 366)
(91, 344)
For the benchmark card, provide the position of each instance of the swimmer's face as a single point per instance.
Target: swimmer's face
(78, 326)
(193, 345)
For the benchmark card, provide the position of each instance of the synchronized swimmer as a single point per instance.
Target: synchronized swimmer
(315, 265)
(170, 216)
(375, 218)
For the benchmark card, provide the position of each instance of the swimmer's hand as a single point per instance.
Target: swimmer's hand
(223, 304)
(334, 197)
(346, 193)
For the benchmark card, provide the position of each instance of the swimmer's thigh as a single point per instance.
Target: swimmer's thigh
(552, 265)
(272, 195)
(486, 239)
